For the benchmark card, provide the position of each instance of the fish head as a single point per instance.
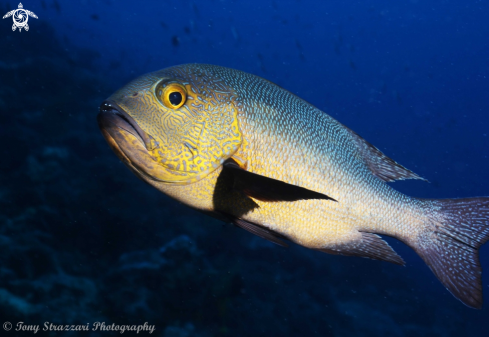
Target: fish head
(175, 126)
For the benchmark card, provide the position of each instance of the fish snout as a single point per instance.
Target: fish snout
(111, 116)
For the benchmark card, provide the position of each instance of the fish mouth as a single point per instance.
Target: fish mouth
(123, 135)
(134, 146)
(113, 116)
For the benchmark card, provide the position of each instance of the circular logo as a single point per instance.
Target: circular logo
(20, 17)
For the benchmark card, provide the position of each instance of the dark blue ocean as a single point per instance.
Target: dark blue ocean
(83, 240)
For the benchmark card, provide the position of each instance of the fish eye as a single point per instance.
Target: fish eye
(171, 94)
(175, 98)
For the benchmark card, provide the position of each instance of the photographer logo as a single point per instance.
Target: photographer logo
(20, 17)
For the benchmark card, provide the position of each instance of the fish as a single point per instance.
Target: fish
(239, 148)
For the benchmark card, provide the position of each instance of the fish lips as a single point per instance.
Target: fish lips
(113, 117)
(129, 142)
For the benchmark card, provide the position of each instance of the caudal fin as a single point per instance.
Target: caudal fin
(450, 245)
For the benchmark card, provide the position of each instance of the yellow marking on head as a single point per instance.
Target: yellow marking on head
(191, 118)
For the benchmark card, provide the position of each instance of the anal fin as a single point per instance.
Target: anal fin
(370, 246)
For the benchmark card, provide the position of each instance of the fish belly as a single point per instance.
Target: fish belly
(320, 224)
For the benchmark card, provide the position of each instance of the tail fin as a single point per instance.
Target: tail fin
(450, 245)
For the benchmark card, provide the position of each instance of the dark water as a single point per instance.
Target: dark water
(82, 240)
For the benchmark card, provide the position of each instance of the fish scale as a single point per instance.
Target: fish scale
(273, 164)
(316, 148)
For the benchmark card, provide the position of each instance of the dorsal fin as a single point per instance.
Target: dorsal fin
(382, 166)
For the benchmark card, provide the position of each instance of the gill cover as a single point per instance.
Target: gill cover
(190, 117)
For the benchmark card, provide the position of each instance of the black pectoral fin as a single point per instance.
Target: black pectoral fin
(268, 189)
(260, 231)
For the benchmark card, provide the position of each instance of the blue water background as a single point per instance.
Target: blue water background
(84, 240)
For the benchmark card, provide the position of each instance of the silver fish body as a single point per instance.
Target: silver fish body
(247, 151)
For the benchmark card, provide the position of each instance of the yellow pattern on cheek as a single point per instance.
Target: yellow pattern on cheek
(197, 138)
(133, 152)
